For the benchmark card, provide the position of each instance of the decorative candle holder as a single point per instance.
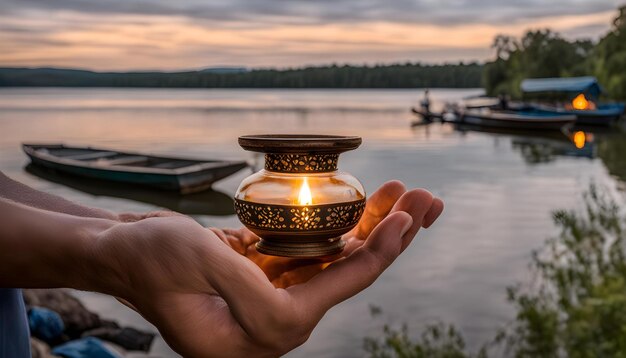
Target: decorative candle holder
(300, 204)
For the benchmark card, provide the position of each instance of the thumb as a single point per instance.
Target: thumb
(386, 238)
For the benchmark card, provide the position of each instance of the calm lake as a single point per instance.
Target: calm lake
(499, 188)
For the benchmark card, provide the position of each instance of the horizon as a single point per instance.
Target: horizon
(117, 36)
(247, 69)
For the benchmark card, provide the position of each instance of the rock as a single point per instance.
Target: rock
(76, 317)
(39, 349)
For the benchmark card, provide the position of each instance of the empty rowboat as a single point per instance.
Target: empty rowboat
(184, 175)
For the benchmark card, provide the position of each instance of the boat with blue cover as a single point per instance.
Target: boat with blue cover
(582, 94)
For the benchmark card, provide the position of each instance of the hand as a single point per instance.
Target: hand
(208, 300)
(389, 198)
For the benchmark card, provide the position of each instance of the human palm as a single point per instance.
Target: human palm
(210, 299)
(284, 272)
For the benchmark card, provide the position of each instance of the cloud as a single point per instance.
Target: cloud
(159, 34)
(450, 12)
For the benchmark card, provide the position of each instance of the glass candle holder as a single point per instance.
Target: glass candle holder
(300, 204)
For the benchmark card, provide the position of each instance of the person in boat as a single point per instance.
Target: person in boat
(207, 290)
(425, 102)
(503, 102)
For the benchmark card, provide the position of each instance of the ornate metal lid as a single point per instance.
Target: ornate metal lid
(299, 143)
(300, 153)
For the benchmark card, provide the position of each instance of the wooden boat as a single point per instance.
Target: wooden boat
(424, 117)
(534, 120)
(168, 173)
(207, 202)
(427, 116)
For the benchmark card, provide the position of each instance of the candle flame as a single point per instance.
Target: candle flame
(580, 102)
(305, 198)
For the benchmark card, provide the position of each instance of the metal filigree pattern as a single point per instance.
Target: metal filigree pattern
(265, 216)
(301, 163)
(299, 219)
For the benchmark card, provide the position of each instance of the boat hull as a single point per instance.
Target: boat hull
(605, 115)
(183, 182)
(517, 120)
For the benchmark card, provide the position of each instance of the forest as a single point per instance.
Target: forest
(408, 75)
(539, 53)
(544, 53)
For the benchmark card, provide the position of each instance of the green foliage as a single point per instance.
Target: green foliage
(611, 150)
(575, 307)
(543, 53)
(578, 305)
(409, 75)
(538, 54)
(609, 58)
(437, 341)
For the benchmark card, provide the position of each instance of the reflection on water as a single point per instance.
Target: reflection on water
(209, 202)
(499, 187)
(543, 146)
(612, 151)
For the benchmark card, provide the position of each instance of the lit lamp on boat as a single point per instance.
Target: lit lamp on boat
(300, 204)
(581, 103)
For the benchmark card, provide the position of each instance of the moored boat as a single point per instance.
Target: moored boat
(423, 113)
(581, 95)
(184, 175)
(603, 115)
(535, 120)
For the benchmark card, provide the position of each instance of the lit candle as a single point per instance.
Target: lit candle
(277, 203)
(305, 197)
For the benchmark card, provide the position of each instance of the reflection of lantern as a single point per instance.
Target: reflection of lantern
(580, 102)
(300, 205)
(579, 139)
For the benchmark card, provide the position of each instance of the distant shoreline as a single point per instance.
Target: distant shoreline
(398, 76)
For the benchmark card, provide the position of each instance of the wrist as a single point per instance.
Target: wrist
(44, 249)
(88, 268)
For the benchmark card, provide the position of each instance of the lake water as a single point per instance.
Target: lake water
(499, 188)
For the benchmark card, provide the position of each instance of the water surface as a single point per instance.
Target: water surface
(499, 188)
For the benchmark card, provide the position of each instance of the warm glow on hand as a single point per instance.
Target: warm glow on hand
(305, 197)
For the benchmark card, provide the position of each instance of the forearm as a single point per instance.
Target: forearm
(42, 249)
(23, 194)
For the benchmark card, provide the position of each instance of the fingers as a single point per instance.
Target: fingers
(418, 204)
(350, 275)
(435, 210)
(243, 235)
(378, 206)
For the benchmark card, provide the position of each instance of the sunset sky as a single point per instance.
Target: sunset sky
(193, 34)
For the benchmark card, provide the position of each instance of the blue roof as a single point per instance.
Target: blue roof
(588, 85)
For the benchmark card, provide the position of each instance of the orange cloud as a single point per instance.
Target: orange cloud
(71, 39)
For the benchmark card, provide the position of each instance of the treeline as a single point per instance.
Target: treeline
(544, 53)
(409, 75)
